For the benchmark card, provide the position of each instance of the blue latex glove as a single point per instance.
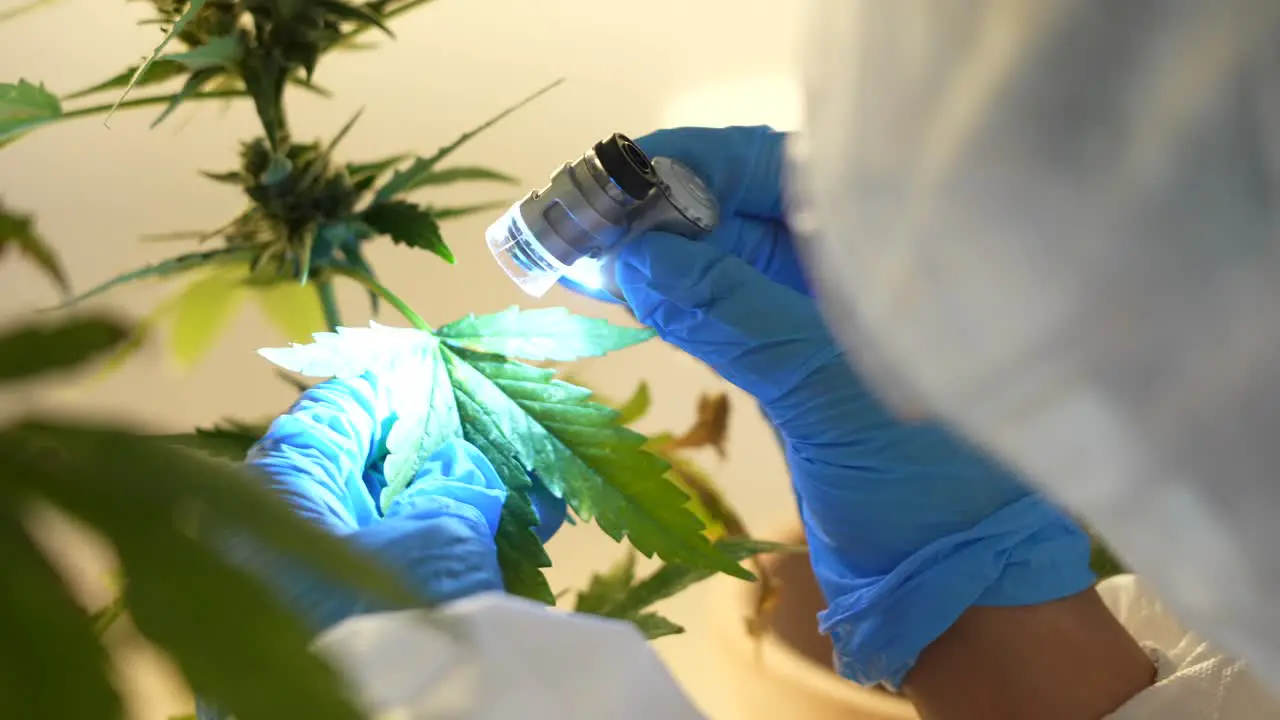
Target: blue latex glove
(324, 458)
(907, 524)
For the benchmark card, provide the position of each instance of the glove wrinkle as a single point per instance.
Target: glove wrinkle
(323, 459)
(890, 619)
(908, 524)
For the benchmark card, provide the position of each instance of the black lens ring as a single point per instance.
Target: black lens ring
(627, 165)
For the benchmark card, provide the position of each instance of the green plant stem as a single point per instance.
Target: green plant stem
(144, 102)
(381, 291)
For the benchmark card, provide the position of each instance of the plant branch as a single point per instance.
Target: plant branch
(145, 102)
(381, 291)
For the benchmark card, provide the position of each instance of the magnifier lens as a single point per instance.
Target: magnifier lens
(521, 256)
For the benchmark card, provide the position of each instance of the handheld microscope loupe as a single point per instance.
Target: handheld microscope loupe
(574, 226)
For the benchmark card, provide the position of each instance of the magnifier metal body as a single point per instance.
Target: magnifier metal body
(574, 226)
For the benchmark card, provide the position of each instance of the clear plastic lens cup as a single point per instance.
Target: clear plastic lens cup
(521, 256)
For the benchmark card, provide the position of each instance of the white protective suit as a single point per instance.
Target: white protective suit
(496, 657)
(1052, 222)
(1056, 224)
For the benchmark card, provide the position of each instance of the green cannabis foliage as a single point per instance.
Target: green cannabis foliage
(147, 498)
(617, 592)
(18, 234)
(461, 381)
(308, 217)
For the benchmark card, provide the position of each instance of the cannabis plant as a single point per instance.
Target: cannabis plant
(146, 498)
(308, 218)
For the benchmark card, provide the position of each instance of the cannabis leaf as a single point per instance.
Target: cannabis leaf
(41, 617)
(164, 69)
(223, 628)
(457, 174)
(360, 172)
(174, 30)
(350, 351)
(135, 491)
(582, 455)
(192, 86)
(24, 106)
(202, 311)
(294, 309)
(230, 439)
(710, 428)
(35, 349)
(361, 13)
(219, 52)
(169, 267)
(616, 593)
(543, 334)
(19, 232)
(422, 169)
(408, 224)
(161, 70)
(426, 418)
(606, 588)
(635, 406)
(525, 422)
(198, 313)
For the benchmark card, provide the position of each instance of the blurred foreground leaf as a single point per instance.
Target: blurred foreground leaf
(169, 267)
(223, 628)
(229, 439)
(38, 348)
(202, 312)
(19, 233)
(164, 510)
(635, 406)
(710, 427)
(25, 106)
(293, 309)
(49, 643)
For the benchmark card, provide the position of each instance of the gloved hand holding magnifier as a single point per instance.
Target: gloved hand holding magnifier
(574, 227)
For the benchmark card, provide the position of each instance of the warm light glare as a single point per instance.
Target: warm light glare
(588, 273)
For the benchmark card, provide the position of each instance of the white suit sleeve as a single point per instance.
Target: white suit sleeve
(494, 657)
(1194, 680)
(1052, 224)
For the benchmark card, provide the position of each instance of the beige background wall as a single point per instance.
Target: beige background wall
(630, 67)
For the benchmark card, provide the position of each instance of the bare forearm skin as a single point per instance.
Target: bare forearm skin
(1065, 660)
